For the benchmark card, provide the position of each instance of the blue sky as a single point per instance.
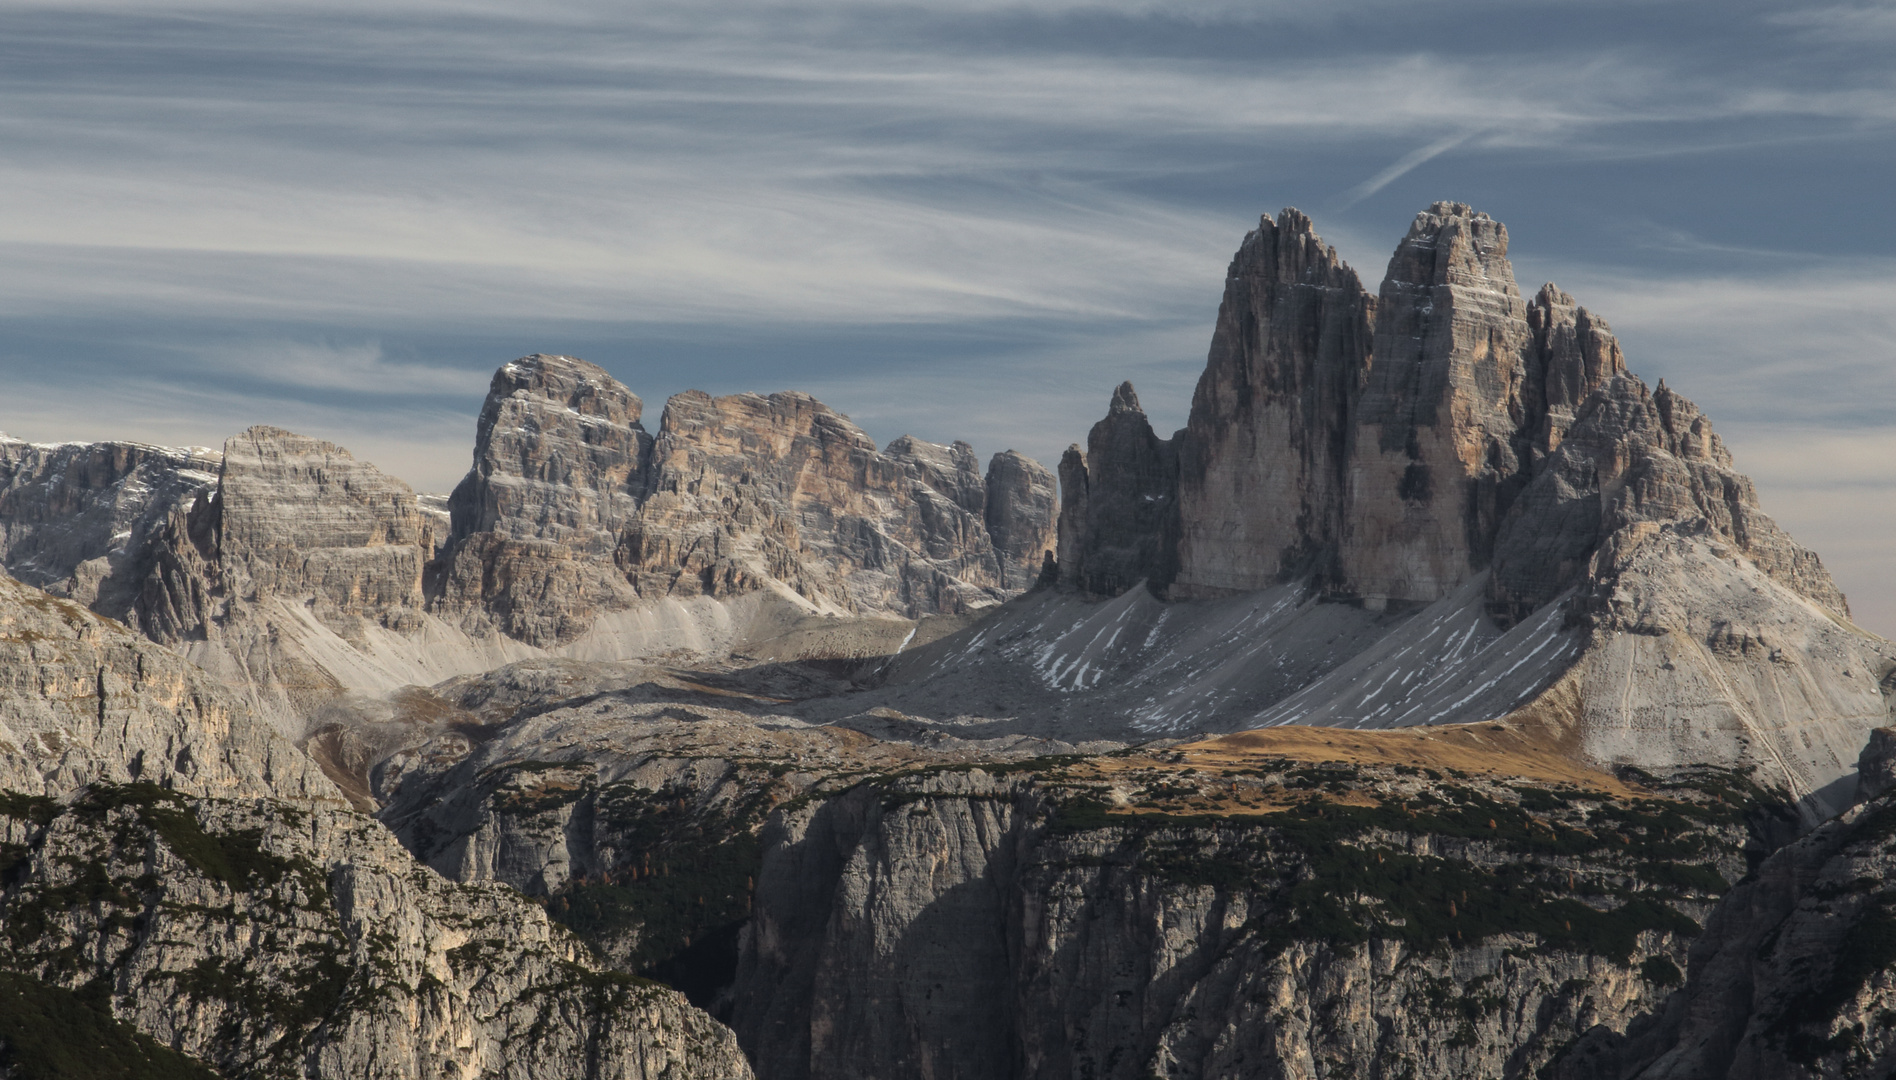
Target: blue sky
(963, 219)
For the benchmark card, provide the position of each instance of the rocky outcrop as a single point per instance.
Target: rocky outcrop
(968, 924)
(175, 866)
(1635, 461)
(614, 792)
(572, 512)
(1402, 452)
(1876, 766)
(1023, 500)
(292, 570)
(560, 465)
(1125, 524)
(84, 699)
(1711, 636)
(1375, 444)
(77, 519)
(1792, 976)
(749, 490)
(1265, 462)
(296, 578)
(269, 939)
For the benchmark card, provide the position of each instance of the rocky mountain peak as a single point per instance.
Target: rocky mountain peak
(559, 455)
(1379, 444)
(951, 470)
(1120, 502)
(573, 512)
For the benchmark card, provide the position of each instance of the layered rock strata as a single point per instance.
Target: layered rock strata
(968, 924)
(176, 867)
(613, 793)
(291, 569)
(296, 578)
(77, 519)
(573, 512)
(1397, 451)
(1375, 442)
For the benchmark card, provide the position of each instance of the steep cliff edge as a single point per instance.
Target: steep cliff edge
(77, 519)
(84, 699)
(1222, 910)
(1795, 974)
(177, 878)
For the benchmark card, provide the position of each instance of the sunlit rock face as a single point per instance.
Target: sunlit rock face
(1374, 442)
(1450, 450)
(572, 511)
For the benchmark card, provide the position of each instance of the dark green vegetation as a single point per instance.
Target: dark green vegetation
(51, 1033)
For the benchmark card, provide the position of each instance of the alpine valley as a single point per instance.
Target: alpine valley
(1438, 702)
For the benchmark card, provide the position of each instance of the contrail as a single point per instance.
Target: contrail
(1403, 164)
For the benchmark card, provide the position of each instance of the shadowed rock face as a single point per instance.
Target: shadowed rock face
(76, 518)
(1265, 462)
(1125, 525)
(1632, 461)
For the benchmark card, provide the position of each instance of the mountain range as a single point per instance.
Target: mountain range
(1438, 699)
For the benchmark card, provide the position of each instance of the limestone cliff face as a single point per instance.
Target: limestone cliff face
(76, 519)
(1023, 500)
(749, 490)
(269, 939)
(176, 868)
(1447, 438)
(1373, 443)
(1265, 465)
(1791, 978)
(289, 568)
(968, 925)
(560, 464)
(84, 699)
(296, 577)
(1125, 490)
(1634, 461)
(573, 512)
(300, 517)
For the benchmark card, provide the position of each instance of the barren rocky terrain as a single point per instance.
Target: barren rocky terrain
(1438, 701)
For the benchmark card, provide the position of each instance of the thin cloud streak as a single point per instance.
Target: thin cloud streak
(1403, 165)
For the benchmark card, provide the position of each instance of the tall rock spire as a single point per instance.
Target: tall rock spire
(1373, 443)
(1263, 467)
